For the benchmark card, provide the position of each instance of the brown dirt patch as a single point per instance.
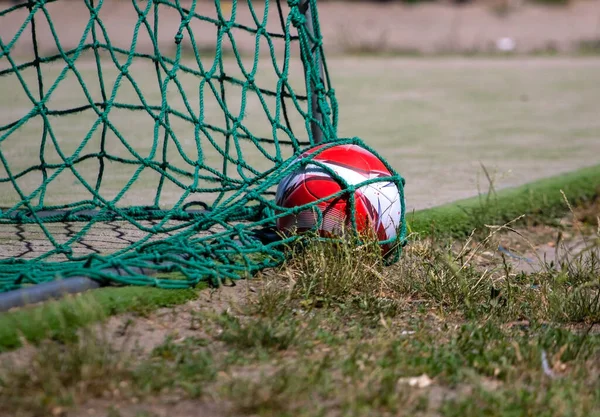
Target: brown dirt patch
(139, 335)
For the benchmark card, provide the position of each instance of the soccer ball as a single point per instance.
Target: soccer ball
(378, 205)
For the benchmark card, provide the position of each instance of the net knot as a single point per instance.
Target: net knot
(267, 212)
(293, 3)
(137, 210)
(41, 107)
(261, 31)
(157, 258)
(297, 18)
(178, 38)
(63, 249)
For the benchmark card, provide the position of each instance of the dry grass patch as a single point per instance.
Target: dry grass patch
(451, 329)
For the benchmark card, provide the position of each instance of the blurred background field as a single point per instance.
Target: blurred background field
(437, 88)
(396, 27)
(435, 120)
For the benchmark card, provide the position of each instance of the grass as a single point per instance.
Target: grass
(541, 200)
(374, 376)
(174, 366)
(58, 374)
(466, 336)
(61, 319)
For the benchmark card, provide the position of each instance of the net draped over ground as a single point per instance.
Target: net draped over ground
(157, 167)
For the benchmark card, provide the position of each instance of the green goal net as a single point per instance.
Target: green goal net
(141, 142)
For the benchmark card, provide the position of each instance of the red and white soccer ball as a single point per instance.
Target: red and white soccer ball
(378, 204)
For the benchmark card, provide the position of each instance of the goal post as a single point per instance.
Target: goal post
(141, 141)
(316, 54)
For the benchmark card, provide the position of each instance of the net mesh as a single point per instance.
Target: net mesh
(141, 142)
